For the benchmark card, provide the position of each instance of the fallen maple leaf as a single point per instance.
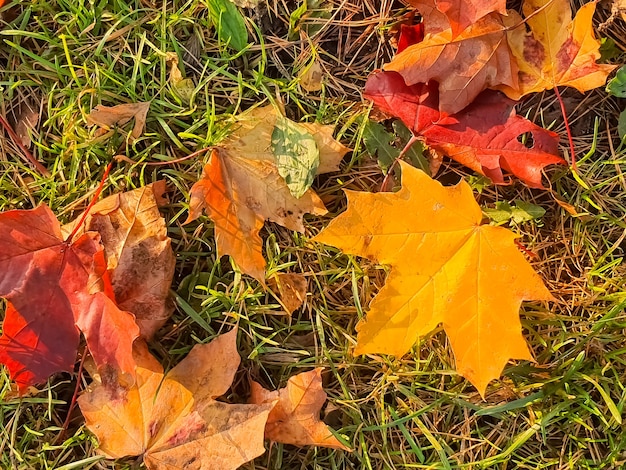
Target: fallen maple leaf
(172, 420)
(460, 13)
(556, 51)
(463, 65)
(445, 268)
(484, 136)
(53, 289)
(138, 251)
(240, 188)
(110, 116)
(295, 418)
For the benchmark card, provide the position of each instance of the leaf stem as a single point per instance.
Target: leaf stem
(107, 170)
(567, 128)
(404, 151)
(26, 155)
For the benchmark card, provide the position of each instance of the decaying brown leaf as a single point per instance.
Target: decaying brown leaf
(110, 116)
(290, 289)
(26, 122)
(311, 77)
(295, 418)
(139, 256)
(240, 188)
(172, 420)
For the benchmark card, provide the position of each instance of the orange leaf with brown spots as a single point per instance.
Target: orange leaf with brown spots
(463, 64)
(173, 420)
(241, 188)
(459, 13)
(557, 51)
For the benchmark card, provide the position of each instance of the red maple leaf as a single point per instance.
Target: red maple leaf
(485, 136)
(55, 288)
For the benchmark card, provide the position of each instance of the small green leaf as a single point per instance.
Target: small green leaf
(617, 85)
(378, 143)
(521, 212)
(297, 155)
(608, 50)
(294, 20)
(525, 211)
(415, 154)
(501, 213)
(229, 23)
(305, 16)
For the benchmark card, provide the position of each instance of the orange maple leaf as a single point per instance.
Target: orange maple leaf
(445, 268)
(464, 65)
(295, 418)
(240, 188)
(556, 51)
(459, 13)
(173, 420)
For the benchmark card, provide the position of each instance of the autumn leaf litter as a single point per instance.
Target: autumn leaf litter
(375, 403)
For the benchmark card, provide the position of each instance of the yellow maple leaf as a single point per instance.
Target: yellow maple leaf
(445, 268)
(556, 51)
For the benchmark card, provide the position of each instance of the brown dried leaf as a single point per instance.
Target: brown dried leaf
(138, 252)
(110, 116)
(290, 289)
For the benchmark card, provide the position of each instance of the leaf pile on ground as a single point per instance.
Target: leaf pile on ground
(105, 278)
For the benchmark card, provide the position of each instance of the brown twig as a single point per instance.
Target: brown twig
(567, 128)
(26, 155)
(79, 374)
(124, 158)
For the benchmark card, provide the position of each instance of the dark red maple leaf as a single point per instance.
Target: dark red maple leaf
(54, 288)
(484, 136)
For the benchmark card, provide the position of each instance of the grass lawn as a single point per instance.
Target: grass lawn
(62, 58)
